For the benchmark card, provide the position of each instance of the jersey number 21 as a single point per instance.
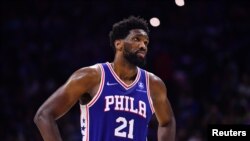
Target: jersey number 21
(124, 124)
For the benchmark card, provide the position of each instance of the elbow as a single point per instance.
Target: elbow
(173, 122)
(39, 117)
(170, 122)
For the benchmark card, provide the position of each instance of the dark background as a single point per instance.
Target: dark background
(201, 51)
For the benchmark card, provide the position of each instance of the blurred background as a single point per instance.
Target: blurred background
(200, 50)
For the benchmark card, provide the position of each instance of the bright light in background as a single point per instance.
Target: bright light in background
(180, 2)
(154, 22)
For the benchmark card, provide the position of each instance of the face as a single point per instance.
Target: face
(135, 47)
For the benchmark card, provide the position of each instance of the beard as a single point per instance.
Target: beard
(133, 58)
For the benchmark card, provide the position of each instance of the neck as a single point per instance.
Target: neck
(124, 70)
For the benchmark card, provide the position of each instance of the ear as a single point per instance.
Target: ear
(118, 44)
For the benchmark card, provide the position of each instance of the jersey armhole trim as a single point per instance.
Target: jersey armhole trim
(148, 92)
(100, 89)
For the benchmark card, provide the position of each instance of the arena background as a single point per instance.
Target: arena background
(201, 50)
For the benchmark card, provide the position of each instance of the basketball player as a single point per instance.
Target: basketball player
(117, 99)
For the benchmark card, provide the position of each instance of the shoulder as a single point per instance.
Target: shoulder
(89, 70)
(152, 77)
(154, 80)
(156, 85)
(90, 74)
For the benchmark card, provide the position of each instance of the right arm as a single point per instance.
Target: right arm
(61, 101)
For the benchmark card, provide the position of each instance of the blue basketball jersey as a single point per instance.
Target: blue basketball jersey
(118, 112)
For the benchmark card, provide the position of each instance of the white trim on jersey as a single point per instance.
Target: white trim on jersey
(124, 85)
(95, 98)
(148, 93)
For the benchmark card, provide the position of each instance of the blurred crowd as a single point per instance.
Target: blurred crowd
(201, 51)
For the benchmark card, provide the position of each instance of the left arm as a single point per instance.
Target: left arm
(163, 109)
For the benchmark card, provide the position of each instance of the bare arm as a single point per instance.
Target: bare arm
(60, 102)
(163, 109)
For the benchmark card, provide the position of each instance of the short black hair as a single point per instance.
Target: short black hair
(121, 29)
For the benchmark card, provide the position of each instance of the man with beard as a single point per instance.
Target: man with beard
(117, 99)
